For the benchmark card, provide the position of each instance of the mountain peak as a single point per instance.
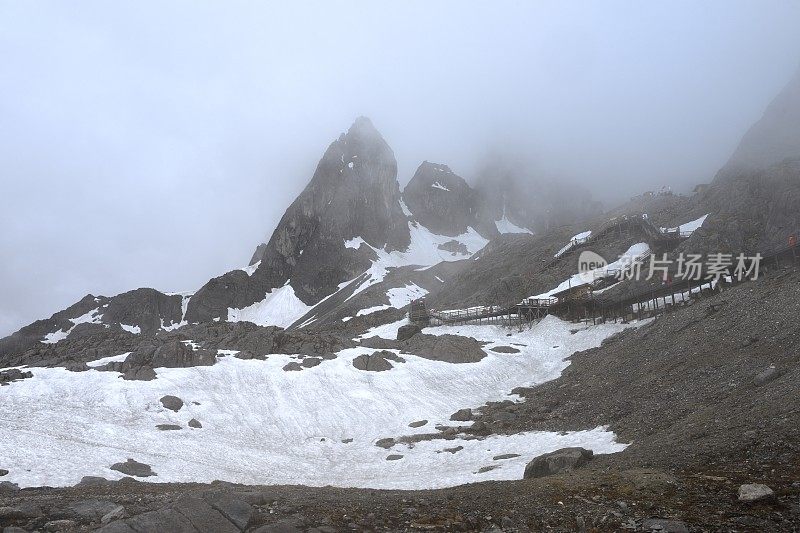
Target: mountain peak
(440, 199)
(362, 124)
(353, 194)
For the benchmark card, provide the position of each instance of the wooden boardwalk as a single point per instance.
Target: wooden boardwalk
(526, 311)
(584, 305)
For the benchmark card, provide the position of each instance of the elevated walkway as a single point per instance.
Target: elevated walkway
(582, 303)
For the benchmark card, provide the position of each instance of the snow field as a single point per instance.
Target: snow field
(265, 425)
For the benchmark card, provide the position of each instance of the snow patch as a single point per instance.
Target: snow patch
(423, 251)
(83, 422)
(131, 329)
(506, 226)
(280, 307)
(635, 252)
(402, 296)
(105, 360)
(92, 317)
(438, 185)
(369, 311)
(249, 269)
(687, 229)
(385, 331)
(355, 243)
(580, 238)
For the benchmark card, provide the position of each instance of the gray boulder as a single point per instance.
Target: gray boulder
(766, 376)
(407, 331)
(310, 362)
(562, 460)
(462, 415)
(753, 492)
(194, 423)
(3, 472)
(293, 366)
(448, 348)
(377, 362)
(504, 349)
(132, 467)
(168, 427)
(173, 403)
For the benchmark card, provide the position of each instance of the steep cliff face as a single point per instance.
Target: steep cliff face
(775, 137)
(353, 194)
(440, 200)
(755, 197)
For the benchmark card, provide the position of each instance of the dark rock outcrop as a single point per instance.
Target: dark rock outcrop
(131, 467)
(207, 511)
(92, 510)
(556, 462)
(32, 335)
(447, 348)
(293, 366)
(462, 415)
(160, 352)
(173, 403)
(376, 362)
(146, 308)
(407, 331)
(505, 349)
(13, 374)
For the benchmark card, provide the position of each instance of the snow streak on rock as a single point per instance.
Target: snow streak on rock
(280, 307)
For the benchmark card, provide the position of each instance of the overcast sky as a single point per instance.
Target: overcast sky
(157, 143)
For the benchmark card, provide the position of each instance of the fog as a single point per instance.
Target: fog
(157, 143)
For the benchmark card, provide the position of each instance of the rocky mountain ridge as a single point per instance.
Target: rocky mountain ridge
(347, 244)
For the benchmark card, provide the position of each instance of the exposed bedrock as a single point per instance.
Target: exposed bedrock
(447, 348)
